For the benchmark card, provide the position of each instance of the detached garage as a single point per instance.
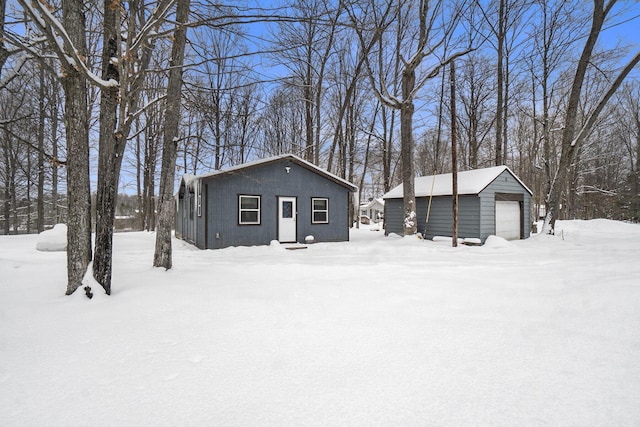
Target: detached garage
(491, 201)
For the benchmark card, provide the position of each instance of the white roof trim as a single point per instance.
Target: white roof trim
(469, 182)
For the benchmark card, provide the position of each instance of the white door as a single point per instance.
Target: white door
(508, 219)
(287, 219)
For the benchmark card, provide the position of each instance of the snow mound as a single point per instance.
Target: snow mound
(275, 244)
(446, 239)
(497, 242)
(54, 240)
(597, 226)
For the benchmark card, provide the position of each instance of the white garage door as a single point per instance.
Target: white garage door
(508, 220)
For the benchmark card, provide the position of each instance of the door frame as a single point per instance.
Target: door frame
(281, 199)
(510, 197)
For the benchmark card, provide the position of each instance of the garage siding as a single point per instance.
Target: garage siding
(440, 217)
(504, 183)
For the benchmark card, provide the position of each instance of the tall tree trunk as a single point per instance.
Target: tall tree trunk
(41, 120)
(163, 254)
(7, 187)
(500, 83)
(454, 157)
(108, 155)
(54, 153)
(636, 171)
(139, 174)
(388, 129)
(217, 131)
(150, 162)
(29, 174)
(78, 181)
(4, 53)
(505, 111)
(410, 224)
(12, 190)
(571, 135)
(308, 106)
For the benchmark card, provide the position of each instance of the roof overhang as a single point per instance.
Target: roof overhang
(283, 157)
(469, 183)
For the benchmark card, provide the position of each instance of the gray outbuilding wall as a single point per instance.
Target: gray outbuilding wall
(440, 216)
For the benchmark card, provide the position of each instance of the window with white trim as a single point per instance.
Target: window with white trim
(319, 210)
(248, 210)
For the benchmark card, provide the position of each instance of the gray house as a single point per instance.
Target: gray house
(282, 198)
(491, 201)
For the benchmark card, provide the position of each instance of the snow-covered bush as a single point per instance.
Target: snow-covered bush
(54, 240)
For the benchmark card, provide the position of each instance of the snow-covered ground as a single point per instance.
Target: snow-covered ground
(377, 331)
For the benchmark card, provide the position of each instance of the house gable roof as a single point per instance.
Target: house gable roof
(290, 157)
(469, 182)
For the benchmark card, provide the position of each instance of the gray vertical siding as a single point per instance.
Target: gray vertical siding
(269, 181)
(185, 222)
(440, 217)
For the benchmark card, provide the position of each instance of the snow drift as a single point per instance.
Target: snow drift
(53, 240)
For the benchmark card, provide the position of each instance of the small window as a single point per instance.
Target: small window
(192, 209)
(249, 210)
(319, 211)
(199, 201)
(287, 209)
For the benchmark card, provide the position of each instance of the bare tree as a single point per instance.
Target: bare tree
(67, 39)
(573, 135)
(551, 37)
(306, 44)
(454, 158)
(475, 90)
(118, 109)
(163, 253)
(281, 123)
(4, 52)
(432, 24)
(627, 129)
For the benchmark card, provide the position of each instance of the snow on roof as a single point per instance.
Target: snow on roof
(469, 182)
(292, 157)
(188, 178)
(372, 203)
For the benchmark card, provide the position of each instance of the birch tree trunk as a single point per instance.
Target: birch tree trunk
(163, 255)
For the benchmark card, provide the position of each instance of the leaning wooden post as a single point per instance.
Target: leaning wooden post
(454, 156)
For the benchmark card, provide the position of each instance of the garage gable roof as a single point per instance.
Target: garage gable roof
(292, 158)
(469, 182)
